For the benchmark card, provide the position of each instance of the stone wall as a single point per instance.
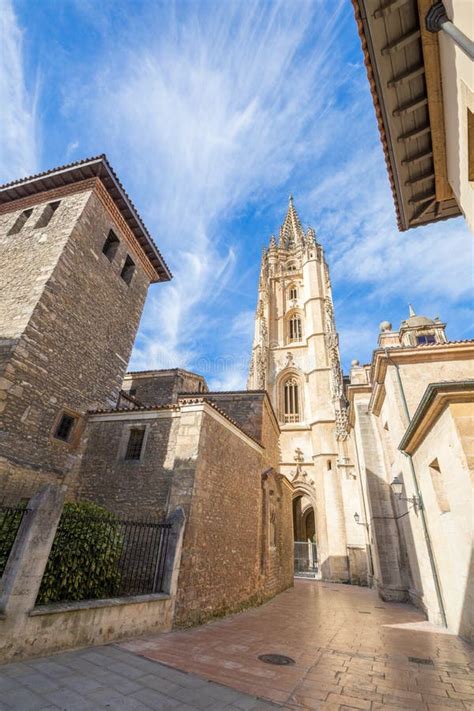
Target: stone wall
(253, 412)
(195, 458)
(441, 463)
(245, 408)
(161, 387)
(27, 630)
(390, 574)
(277, 524)
(75, 320)
(229, 560)
(130, 488)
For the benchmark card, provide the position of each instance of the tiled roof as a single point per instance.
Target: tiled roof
(138, 408)
(176, 407)
(426, 346)
(378, 111)
(97, 166)
(405, 150)
(164, 370)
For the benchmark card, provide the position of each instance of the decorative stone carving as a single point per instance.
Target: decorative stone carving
(300, 475)
(342, 424)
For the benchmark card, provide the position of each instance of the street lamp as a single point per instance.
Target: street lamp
(397, 488)
(358, 521)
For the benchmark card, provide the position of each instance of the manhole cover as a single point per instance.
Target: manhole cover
(279, 659)
(418, 660)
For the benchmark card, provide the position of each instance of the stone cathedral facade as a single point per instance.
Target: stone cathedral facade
(295, 357)
(381, 461)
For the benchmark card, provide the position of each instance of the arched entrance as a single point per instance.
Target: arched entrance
(304, 534)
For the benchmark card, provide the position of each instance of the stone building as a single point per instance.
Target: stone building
(422, 83)
(412, 413)
(295, 357)
(76, 262)
(373, 471)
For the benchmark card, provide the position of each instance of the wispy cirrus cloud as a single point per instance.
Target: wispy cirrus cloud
(210, 116)
(19, 144)
(212, 113)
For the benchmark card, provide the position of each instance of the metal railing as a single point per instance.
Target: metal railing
(99, 557)
(10, 520)
(306, 559)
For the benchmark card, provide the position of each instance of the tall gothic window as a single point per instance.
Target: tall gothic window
(295, 330)
(293, 294)
(291, 401)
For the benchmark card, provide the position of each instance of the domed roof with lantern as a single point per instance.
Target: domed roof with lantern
(413, 320)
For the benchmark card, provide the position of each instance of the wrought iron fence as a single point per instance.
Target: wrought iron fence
(306, 559)
(95, 557)
(10, 520)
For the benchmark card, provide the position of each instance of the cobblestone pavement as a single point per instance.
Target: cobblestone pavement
(114, 679)
(351, 651)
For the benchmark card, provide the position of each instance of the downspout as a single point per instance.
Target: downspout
(436, 20)
(364, 506)
(418, 494)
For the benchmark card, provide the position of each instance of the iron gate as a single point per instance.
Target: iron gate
(306, 559)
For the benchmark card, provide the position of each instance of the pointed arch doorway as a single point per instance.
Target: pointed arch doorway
(304, 535)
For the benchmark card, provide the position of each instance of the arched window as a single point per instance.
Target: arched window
(295, 330)
(293, 292)
(291, 400)
(291, 267)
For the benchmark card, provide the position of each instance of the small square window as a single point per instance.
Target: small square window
(110, 245)
(135, 443)
(127, 270)
(65, 427)
(20, 221)
(47, 214)
(423, 340)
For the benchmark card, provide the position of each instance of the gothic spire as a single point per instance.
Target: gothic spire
(291, 230)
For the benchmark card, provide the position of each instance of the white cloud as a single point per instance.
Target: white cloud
(377, 270)
(71, 148)
(433, 262)
(19, 134)
(209, 115)
(216, 112)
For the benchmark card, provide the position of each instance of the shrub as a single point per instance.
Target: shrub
(10, 520)
(84, 560)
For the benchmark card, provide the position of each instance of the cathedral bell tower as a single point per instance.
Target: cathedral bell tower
(295, 357)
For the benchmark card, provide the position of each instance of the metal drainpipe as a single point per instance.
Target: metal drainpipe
(368, 535)
(421, 508)
(436, 20)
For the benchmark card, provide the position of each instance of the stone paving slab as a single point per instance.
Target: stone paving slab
(113, 679)
(351, 651)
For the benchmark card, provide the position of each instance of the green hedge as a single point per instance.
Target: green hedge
(84, 558)
(9, 524)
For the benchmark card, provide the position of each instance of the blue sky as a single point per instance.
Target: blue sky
(212, 113)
